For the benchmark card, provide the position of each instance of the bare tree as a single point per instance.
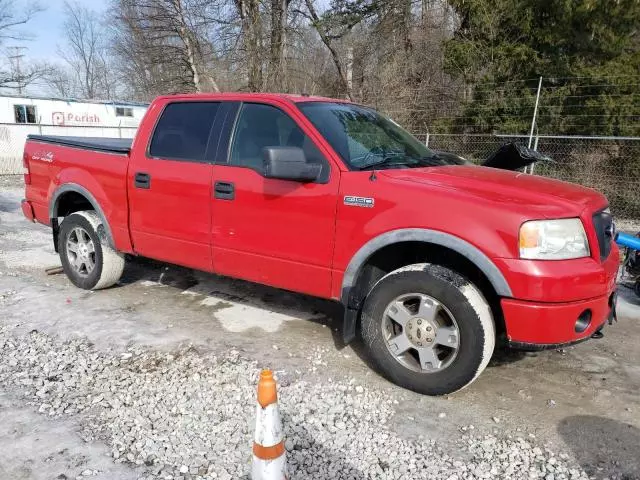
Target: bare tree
(18, 72)
(148, 69)
(324, 32)
(60, 82)
(11, 19)
(386, 54)
(162, 46)
(185, 36)
(85, 51)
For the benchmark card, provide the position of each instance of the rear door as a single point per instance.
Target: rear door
(170, 186)
(271, 231)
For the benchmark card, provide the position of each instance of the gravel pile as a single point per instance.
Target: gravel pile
(187, 414)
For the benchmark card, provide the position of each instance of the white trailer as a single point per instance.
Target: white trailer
(69, 112)
(21, 116)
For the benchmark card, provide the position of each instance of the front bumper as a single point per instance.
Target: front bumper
(554, 297)
(538, 326)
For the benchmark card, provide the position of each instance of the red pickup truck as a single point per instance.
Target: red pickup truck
(433, 261)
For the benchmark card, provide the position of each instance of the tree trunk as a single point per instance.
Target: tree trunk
(405, 24)
(327, 41)
(350, 69)
(191, 59)
(249, 11)
(185, 36)
(276, 78)
(212, 82)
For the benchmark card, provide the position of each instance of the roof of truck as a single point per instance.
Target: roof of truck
(295, 98)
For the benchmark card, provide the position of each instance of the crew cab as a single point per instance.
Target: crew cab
(433, 261)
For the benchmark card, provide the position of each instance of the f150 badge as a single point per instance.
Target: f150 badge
(358, 201)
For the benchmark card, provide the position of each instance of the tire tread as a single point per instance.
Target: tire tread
(112, 261)
(443, 279)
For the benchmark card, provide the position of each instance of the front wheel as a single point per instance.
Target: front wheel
(428, 329)
(87, 262)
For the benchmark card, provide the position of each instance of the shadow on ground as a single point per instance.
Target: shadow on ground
(180, 278)
(310, 459)
(504, 356)
(626, 292)
(602, 446)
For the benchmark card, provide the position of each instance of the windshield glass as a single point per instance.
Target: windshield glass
(366, 139)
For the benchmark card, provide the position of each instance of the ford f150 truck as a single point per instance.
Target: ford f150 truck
(434, 262)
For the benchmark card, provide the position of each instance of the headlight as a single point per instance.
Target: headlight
(553, 239)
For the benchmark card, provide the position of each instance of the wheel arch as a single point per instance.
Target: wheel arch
(352, 296)
(65, 191)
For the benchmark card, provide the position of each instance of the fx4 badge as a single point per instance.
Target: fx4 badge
(43, 156)
(358, 201)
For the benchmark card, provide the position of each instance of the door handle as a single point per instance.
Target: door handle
(224, 190)
(142, 180)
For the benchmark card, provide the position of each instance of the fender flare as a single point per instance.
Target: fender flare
(106, 235)
(464, 248)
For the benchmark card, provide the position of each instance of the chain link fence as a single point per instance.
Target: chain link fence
(13, 137)
(610, 165)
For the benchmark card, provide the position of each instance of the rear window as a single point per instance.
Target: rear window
(182, 133)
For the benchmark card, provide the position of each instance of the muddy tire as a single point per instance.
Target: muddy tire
(87, 259)
(428, 329)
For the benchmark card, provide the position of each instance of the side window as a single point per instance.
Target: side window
(124, 112)
(182, 133)
(261, 126)
(25, 113)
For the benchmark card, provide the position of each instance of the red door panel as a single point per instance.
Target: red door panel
(171, 220)
(170, 186)
(275, 232)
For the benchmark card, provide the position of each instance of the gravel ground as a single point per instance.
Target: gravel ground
(189, 414)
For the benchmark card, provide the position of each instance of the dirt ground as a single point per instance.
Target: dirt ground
(584, 400)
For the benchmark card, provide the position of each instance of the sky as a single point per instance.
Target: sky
(47, 28)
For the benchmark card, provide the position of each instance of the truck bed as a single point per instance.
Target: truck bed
(110, 145)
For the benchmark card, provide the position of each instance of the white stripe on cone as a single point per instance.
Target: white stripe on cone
(268, 434)
(269, 469)
(268, 425)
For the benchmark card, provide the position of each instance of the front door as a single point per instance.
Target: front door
(170, 186)
(276, 232)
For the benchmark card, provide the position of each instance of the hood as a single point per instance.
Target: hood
(535, 195)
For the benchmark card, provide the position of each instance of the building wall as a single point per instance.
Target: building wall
(72, 112)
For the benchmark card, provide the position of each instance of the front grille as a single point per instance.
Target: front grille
(603, 224)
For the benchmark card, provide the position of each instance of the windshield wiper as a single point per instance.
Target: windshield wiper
(387, 159)
(384, 160)
(433, 160)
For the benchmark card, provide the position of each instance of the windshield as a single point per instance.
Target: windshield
(366, 139)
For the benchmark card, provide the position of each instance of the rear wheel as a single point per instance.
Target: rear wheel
(428, 329)
(87, 262)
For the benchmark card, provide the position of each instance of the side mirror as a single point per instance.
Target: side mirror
(289, 163)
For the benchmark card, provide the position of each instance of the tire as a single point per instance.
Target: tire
(79, 231)
(462, 332)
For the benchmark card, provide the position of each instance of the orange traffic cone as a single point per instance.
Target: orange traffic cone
(269, 461)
